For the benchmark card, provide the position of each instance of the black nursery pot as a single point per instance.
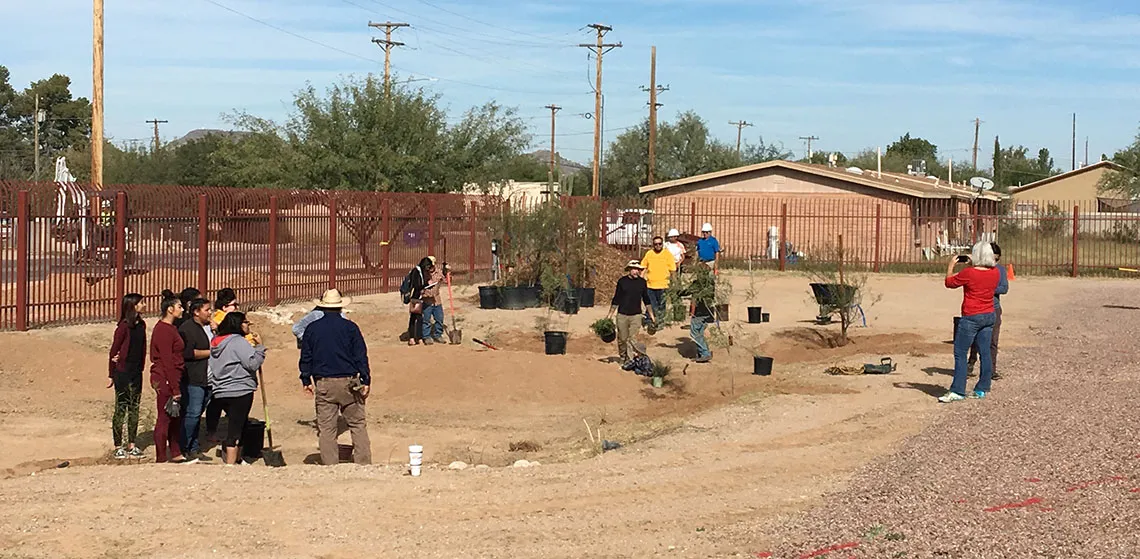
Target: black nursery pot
(513, 298)
(609, 338)
(488, 297)
(533, 296)
(570, 305)
(764, 317)
(585, 297)
(555, 343)
(761, 366)
(755, 315)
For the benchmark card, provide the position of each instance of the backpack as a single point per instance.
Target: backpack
(406, 286)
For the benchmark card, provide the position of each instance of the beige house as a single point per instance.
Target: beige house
(1077, 187)
(882, 217)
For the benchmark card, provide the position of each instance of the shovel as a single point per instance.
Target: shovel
(272, 457)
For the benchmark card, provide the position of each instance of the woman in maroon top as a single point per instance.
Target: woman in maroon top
(979, 280)
(125, 368)
(166, 371)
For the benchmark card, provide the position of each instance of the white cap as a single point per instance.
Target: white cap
(706, 228)
(673, 233)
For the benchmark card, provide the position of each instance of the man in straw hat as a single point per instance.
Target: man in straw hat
(334, 370)
(631, 293)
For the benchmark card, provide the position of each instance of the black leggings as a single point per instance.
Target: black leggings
(237, 412)
(415, 326)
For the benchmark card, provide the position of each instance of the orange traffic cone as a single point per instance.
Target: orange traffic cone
(1009, 272)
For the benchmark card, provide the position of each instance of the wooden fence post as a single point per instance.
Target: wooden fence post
(332, 243)
(783, 235)
(1076, 235)
(385, 219)
(878, 234)
(23, 230)
(120, 249)
(203, 244)
(272, 251)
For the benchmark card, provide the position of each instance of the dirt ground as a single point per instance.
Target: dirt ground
(716, 449)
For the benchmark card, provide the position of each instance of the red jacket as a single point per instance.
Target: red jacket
(979, 289)
(166, 361)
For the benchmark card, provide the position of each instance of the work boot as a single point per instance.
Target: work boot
(439, 340)
(427, 341)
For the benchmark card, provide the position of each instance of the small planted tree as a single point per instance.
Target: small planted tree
(838, 285)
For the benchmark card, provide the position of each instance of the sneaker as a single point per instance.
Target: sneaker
(996, 376)
(978, 395)
(189, 460)
(439, 340)
(135, 452)
(202, 458)
(951, 397)
(120, 453)
(703, 359)
(427, 341)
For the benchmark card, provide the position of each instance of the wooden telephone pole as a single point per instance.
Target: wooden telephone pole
(156, 122)
(553, 158)
(809, 139)
(599, 49)
(977, 129)
(740, 124)
(97, 97)
(653, 90)
(387, 43)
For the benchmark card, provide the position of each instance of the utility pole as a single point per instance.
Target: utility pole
(97, 96)
(977, 129)
(36, 118)
(1074, 141)
(740, 124)
(653, 90)
(809, 139)
(553, 110)
(387, 43)
(599, 49)
(156, 122)
(1086, 150)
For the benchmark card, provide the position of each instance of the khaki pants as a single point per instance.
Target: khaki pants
(335, 399)
(627, 327)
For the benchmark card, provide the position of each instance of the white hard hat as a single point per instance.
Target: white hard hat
(673, 233)
(706, 228)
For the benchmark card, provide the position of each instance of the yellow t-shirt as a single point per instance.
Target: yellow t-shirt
(658, 267)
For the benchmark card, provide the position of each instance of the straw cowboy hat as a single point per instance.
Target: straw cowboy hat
(634, 264)
(638, 348)
(332, 300)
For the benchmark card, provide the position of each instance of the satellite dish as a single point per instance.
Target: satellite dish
(981, 183)
(854, 170)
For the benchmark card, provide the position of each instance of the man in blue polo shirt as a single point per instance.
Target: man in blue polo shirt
(708, 248)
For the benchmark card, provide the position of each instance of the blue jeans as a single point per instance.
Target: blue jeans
(657, 301)
(977, 330)
(697, 327)
(194, 402)
(433, 330)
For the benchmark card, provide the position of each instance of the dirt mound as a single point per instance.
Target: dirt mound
(810, 345)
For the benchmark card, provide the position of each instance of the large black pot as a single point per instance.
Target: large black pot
(570, 305)
(755, 315)
(609, 338)
(761, 366)
(488, 297)
(555, 343)
(533, 296)
(585, 297)
(513, 298)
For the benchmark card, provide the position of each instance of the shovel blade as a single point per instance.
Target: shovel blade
(273, 458)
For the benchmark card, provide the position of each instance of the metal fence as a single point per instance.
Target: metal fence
(69, 253)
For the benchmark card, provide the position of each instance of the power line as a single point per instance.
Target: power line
(515, 31)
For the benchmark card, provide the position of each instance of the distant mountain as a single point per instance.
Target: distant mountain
(203, 132)
(565, 166)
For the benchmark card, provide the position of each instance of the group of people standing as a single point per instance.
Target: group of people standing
(204, 359)
(639, 297)
(421, 292)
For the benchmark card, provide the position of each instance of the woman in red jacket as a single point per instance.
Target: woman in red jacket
(166, 371)
(979, 280)
(125, 368)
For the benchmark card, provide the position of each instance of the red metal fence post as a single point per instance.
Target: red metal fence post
(431, 226)
(272, 251)
(23, 229)
(471, 245)
(878, 234)
(693, 219)
(386, 219)
(332, 243)
(120, 249)
(1076, 235)
(602, 228)
(203, 243)
(783, 234)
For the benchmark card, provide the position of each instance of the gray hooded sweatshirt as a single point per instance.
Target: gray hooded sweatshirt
(233, 366)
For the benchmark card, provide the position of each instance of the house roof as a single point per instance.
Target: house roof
(890, 182)
(1098, 165)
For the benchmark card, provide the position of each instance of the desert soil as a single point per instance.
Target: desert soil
(718, 463)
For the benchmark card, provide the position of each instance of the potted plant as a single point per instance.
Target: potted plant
(660, 371)
(554, 337)
(755, 313)
(605, 329)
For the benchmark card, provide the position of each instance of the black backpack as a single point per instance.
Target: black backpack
(406, 286)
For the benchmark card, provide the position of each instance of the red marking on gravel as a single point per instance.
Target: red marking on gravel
(763, 554)
(960, 501)
(1033, 479)
(826, 550)
(1047, 509)
(1088, 484)
(1137, 490)
(1026, 503)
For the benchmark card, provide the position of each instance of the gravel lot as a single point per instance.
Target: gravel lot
(1048, 466)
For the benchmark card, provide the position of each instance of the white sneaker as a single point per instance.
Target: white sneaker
(951, 397)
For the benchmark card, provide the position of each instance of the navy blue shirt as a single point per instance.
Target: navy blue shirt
(332, 349)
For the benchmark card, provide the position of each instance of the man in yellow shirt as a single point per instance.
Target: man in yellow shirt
(659, 267)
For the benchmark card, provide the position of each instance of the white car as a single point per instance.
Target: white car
(626, 227)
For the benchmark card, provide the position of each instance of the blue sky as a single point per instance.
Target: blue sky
(856, 73)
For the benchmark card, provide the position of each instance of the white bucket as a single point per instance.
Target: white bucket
(416, 460)
(415, 471)
(416, 449)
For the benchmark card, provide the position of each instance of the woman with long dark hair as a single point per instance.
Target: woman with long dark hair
(234, 363)
(124, 368)
(166, 370)
(418, 278)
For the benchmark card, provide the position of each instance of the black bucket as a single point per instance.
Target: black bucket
(533, 297)
(761, 366)
(957, 319)
(609, 338)
(586, 297)
(252, 439)
(570, 305)
(764, 317)
(755, 315)
(488, 297)
(555, 343)
(513, 298)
